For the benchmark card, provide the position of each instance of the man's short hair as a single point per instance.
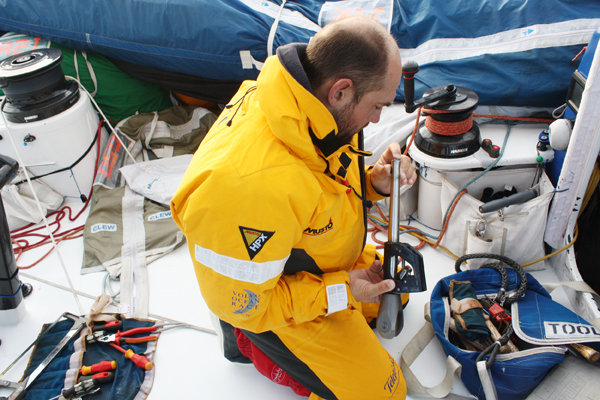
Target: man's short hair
(343, 50)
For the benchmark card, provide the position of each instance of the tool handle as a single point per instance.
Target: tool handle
(517, 198)
(112, 326)
(138, 339)
(139, 360)
(390, 318)
(409, 69)
(587, 352)
(100, 377)
(135, 331)
(98, 367)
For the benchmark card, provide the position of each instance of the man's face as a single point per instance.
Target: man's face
(353, 116)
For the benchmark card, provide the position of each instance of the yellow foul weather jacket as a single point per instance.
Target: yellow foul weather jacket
(272, 207)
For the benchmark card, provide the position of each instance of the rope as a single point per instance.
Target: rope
(449, 128)
(39, 207)
(498, 267)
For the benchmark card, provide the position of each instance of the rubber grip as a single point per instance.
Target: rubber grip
(139, 360)
(409, 69)
(98, 367)
(517, 198)
(390, 319)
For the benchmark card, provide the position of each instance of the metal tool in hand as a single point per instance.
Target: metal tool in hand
(22, 386)
(86, 386)
(409, 278)
(115, 339)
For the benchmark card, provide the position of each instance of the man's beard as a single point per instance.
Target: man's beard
(343, 119)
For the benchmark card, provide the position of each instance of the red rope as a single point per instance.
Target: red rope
(527, 119)
(579, 54)
(437, 243)
(412, 136)
(449, 128)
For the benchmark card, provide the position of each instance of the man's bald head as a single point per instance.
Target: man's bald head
(358, 48)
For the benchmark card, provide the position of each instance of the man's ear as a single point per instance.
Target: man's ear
(340, 92)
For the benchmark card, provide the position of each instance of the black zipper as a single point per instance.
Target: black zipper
(363, 184)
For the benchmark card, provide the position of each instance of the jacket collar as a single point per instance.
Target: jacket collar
(297, 118)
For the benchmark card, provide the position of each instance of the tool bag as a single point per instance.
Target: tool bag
(507, 231)
(541, 328)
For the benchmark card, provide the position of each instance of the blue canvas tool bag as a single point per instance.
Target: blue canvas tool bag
(539, 327)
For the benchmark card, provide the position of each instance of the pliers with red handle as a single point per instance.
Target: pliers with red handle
(123, 337)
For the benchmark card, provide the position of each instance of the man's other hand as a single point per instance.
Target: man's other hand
(367, 284)
(381, 176)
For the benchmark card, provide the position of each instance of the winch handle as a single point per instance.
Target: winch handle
(409, 69)
(516, 198)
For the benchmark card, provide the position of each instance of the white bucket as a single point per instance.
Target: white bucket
(429, 210)
(55, 143)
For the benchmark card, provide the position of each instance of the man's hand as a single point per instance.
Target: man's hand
(367, 284)
(381, 176)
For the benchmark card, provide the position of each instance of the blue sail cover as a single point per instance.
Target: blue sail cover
(511, 52)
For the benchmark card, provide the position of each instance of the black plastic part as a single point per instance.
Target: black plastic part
(54, 103)
(31, 74)
(441, 146)
(414, 280)
(27, 288)
(517, 198)
(409, 69)
(390, 319)
(459, 100)
(10, 285)
(35, 86)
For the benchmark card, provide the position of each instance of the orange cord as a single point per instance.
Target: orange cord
(437, 243)
(449, 128)
(412, 136)
(377, 228)
(526, 119)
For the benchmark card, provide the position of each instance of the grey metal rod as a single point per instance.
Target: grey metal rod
(394, 222)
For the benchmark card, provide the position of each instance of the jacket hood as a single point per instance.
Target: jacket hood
(284, 93)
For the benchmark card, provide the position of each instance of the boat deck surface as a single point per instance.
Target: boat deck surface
(188, 362)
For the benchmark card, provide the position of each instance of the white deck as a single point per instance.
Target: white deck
(188, 362)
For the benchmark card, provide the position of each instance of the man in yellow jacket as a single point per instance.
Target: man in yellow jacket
(273, 206)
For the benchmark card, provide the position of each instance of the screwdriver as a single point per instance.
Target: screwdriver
(138, 359)
(87, 385)
(98, 367)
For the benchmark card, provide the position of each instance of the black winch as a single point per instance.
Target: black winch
(35, 86)
(449, 130)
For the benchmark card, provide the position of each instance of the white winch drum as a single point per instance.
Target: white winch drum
(57, 142)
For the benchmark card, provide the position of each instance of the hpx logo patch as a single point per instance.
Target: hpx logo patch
(243, 302)
(254, 239)
(319, 231)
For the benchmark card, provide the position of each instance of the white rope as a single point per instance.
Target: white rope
(89, 296)
(273, 30)
(90, 70)
(103, 117)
